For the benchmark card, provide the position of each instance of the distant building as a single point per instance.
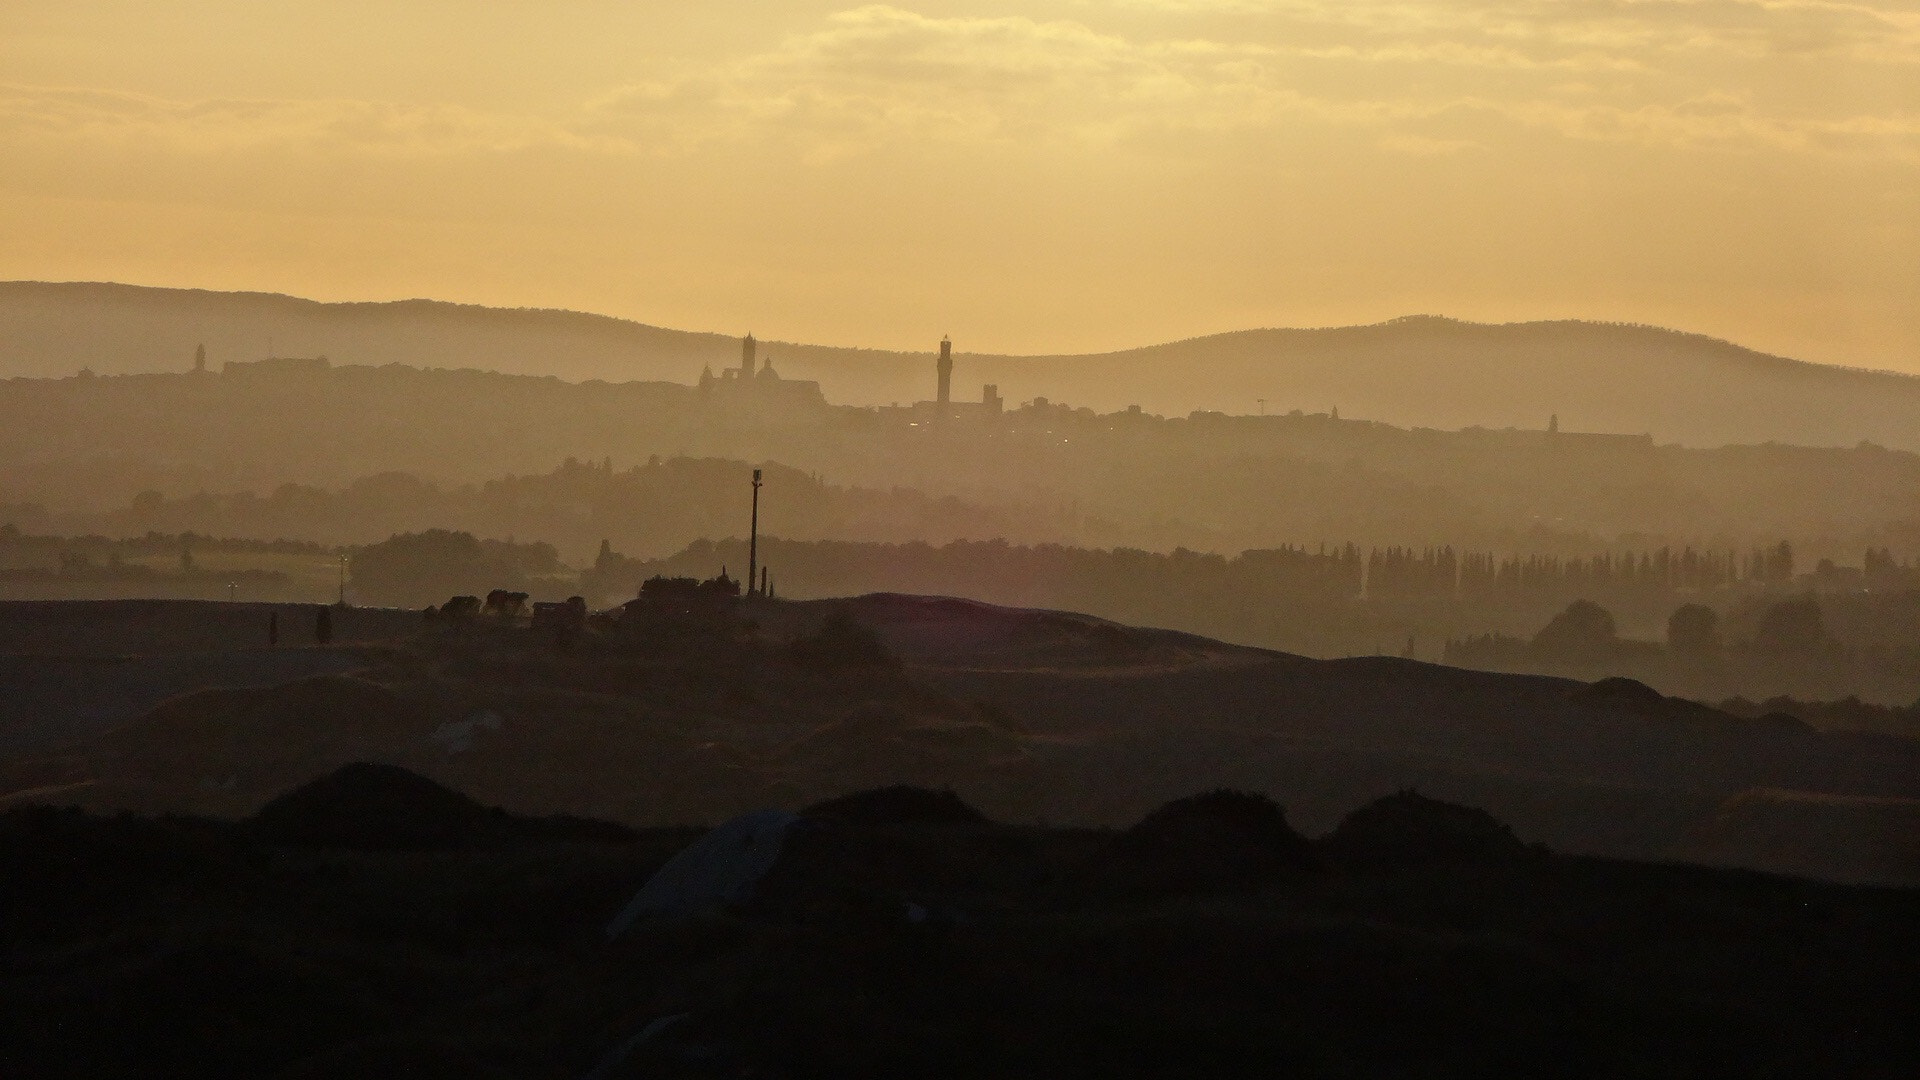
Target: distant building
(943, 407)
(744, 386)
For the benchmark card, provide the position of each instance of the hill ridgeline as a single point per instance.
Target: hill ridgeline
(1420, 371)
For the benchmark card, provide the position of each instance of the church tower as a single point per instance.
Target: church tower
(747, 346)
(945, 370)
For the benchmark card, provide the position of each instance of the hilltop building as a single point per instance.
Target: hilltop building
(747, 386)
(943, 407)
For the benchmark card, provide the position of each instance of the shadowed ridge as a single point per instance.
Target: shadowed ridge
(1409, 829)
(899, 804)
(945, 631)
(370, 806)
(1857, 839)
(1630, 693)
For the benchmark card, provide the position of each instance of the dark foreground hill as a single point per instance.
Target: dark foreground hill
(1030, 715)
(921, 946)
(1427, 372)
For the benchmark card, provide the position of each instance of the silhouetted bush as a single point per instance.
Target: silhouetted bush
(1584, 629)
(1617, 690)
(842, 643)
(1791, 627)
(1693, 630)
(502, 604)
(662, 588)
(1218, 841)
(1409, 829)
(460, 607)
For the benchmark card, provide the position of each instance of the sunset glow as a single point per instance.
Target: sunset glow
(1043, 176)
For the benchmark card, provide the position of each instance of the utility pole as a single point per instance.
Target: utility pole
(753, 538)
(343, 579)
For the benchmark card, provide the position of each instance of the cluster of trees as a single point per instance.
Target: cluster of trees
(418, 569)
(1582, 637)
(1766, 644)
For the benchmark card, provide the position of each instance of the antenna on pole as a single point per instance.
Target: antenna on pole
(753, 538)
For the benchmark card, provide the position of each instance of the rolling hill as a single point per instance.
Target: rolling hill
(1030, 715)
(1418, 371)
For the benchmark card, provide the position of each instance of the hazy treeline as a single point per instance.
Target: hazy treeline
(1312, 602)
(654, 508)
(1708, 626)
(1443, 572)
(1040, 471)
(22, 550)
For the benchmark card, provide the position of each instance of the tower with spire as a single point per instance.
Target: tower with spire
(945, 370)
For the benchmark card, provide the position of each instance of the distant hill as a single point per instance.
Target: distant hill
(1418, 371)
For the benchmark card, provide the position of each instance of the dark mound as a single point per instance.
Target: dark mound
(1618, 691)
(373, 807)
(901, 804)
(1218, 841)
(1409, 829)
(367, 806)
(842, 643)
(1785, 722)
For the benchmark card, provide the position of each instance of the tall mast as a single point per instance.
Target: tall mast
(753, 537)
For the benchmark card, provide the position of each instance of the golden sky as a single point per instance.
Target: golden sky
(1042, 176)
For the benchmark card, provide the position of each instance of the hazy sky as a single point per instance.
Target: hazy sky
(1030, 176)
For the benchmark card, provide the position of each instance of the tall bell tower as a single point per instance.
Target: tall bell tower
(945, 369)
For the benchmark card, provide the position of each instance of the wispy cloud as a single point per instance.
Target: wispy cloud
(115, 118)
(880, 75)
(1407, 78)
(1749, 28)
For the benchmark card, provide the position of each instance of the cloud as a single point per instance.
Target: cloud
(881, 76)
(107, 118)
(878, 74)
(1746, 28)
(1403, 78)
